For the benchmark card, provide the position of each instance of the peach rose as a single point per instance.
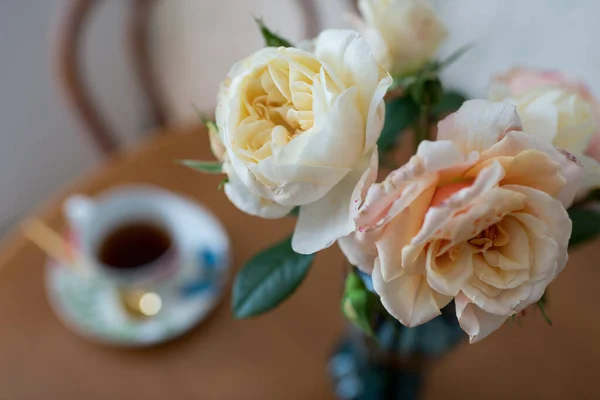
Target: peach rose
(559, 108)
(477, 216)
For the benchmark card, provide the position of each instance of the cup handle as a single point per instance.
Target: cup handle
(78, 210)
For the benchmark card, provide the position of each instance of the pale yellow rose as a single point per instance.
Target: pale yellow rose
(300, 128)
(477, 216)
(560, 109)
(403, 34)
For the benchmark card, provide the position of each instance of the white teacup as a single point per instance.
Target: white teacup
(95, 222)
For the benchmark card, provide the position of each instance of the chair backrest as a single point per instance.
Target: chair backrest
(68, 63)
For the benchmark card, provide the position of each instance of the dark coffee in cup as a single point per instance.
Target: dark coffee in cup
(133, 245)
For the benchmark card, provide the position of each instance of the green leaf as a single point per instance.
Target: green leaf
(208, 167)
(222, 183)
(542, 306)
(203, 117)
(295, 211)
(544, 299)
(271, 39)
(268, 279)
(209, 123)
(403, 81)
(400, 113)
(212, 127)
(586, 224)
(451, 101)
(359, 305)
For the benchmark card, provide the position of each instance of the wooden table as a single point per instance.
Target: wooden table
(281, 355)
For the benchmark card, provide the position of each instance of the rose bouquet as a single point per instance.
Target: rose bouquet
(475, 225)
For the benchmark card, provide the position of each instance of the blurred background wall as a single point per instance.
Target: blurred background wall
(41, 145)
(555, 34)
(194, 43)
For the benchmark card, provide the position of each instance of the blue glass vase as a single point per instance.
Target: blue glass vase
(391, 364)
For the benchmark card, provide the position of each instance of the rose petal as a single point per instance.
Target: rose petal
(544, 249)
(576, 137)
(376, 115)
(437, 217)
(304, 183)
(445, 275)
(539, 114)
(494, 300)
(497, 277)
(398, 233)
(591, 175)
(372, 36)
(251, 203)
(558, 227)
(408, 298)
(477, 323)
(366, 180)
(360, 255)
(531, 168)
(554, 215)
(479, 124)
(326, 220)
(339, 142)
(227, 116)
(404, 185)
(350, 58)
(517, 142)
(514, 256)
(593, 149)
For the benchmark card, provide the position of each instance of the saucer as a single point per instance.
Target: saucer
(90, 305)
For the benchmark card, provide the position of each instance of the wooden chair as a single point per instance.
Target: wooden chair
(68, 64)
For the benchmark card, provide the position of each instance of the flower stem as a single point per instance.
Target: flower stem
(421, 126)
(541, 305)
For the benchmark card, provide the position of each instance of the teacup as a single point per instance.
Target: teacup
(127, 236)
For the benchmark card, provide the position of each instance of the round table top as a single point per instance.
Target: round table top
(283, 354)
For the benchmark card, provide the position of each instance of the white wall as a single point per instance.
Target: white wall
(556, 34)
(41, 146)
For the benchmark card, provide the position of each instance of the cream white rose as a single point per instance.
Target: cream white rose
(403, 34)
(300, 129)
(561, 110)
(477, 216)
